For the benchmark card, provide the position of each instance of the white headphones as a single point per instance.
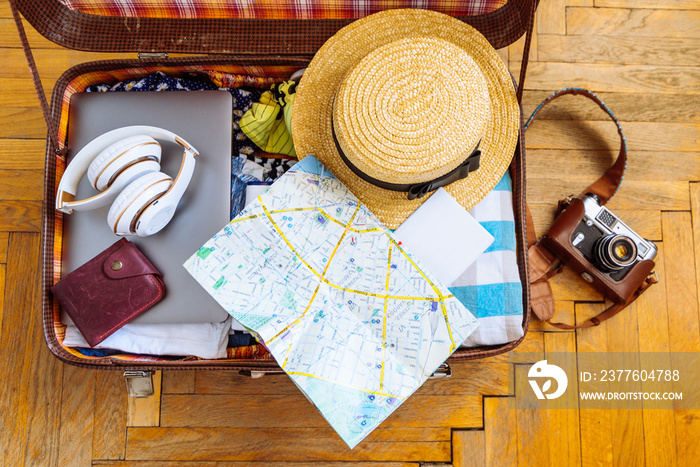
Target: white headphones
(127, 170)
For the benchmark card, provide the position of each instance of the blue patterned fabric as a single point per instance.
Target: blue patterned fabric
(155, 82)
(490, 288)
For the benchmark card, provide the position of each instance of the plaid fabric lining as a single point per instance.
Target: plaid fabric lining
(273, 9)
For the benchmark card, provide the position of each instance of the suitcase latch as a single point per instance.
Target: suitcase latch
(443, 371)
(152, 55)
(255, 374)
(139, 383)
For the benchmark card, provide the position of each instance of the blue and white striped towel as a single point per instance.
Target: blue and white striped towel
(490, 288)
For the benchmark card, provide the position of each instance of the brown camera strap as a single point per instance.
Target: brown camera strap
(606, 186)
(545, 265)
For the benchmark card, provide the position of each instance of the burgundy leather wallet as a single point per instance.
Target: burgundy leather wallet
(110, 290)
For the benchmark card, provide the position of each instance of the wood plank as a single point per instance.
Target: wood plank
(504, 55)
(20, 216)
(16, 363)
(500, 432)
(3, 270)
(687, 434)
(280, 444)
(590, 135)
(249, 464)
(5, 11)
(628, 107)
(230, 382)
(551, 16)
(9, 37)
(22, 123)
(22, 154)
(4, 239)
(563, 423)
(633, 22)
(651, 195)
(530, 350)
(652, 321)
(627, 424)
(532, 346)
(549, 76)
(589, 165)
(179, 382)
(145, 411)
(684, 329)
(44, 407)
(20, 92)
(43, 402)
(563, 313)
(570, 286)
(51, 65)
(294, 411)
(652, 311)
(596, 424)
(77, 416)
(665, 4)
(695, 212)
(468, 448)
(43, 445)
(21, 185)
(468, 378)
(109, 433)
(530, 425)
(620, 50)
(680, 277)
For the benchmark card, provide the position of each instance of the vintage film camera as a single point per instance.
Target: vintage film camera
(607, 242)
(595, 243)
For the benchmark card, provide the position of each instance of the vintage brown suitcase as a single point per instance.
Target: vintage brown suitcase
(268, 39)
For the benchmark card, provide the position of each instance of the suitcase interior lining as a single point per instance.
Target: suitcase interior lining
(251, 357)
(253, 76)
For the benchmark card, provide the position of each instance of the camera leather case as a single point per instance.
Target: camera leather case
(558, 241)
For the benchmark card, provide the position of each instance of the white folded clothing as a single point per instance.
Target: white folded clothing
(203, 340)
(236, 326)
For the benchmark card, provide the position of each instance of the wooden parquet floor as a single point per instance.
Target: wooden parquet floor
(642, 57)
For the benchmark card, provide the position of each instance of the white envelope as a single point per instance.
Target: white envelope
(443, 236)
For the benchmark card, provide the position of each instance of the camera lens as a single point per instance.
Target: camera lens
(615, 252)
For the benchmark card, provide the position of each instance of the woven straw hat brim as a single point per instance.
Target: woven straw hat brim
(313, 106)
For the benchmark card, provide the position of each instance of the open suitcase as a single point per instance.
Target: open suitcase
(270, 39)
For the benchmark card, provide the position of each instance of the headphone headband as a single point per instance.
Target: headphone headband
(68, 186)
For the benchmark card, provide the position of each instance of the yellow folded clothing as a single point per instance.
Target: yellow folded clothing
(266, 126)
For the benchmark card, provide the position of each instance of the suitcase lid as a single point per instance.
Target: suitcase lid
(259, 27)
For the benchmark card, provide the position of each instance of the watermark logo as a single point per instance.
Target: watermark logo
(543, 371)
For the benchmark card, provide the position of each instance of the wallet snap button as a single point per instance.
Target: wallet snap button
(116, 265)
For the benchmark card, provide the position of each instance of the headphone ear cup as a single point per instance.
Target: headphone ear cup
(119, 156)
(134, 199)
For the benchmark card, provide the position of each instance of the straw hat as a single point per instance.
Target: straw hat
(402, 98)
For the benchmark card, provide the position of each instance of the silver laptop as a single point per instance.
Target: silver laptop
(203, 118)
